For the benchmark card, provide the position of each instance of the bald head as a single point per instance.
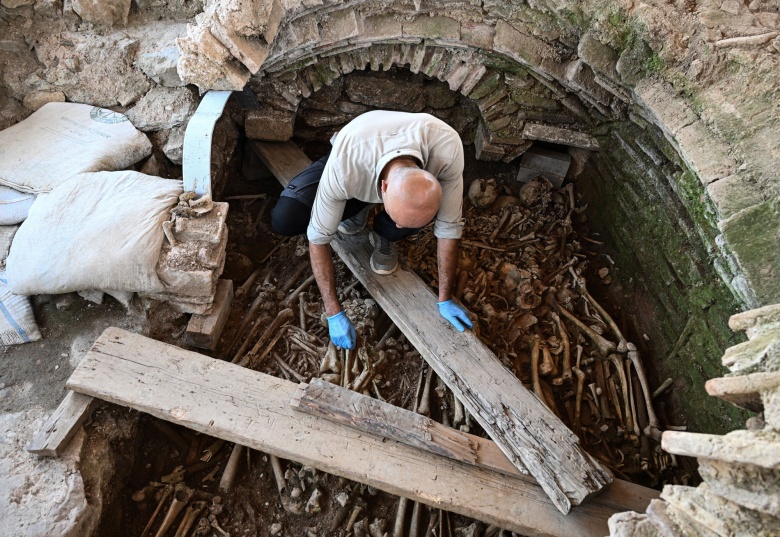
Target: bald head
(411, 196)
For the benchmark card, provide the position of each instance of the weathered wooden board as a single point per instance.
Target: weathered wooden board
(528, 433)
(59, 429)
(520, 424)
(744, 391)
(283, 159)
(320, 398)
(203, 331)
(253, 409)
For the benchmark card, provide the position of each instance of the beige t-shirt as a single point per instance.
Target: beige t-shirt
(363, 148)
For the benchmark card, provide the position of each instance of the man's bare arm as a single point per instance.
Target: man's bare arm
(324, 273)
(447, 254)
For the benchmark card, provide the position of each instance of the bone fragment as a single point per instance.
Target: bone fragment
(400, 517)
(662, 388)
(414, 523)
(290, 300)
(347, 366)
(632, 398)
(425, 406)
(286, 367)
(547, 367)
(383, 340)
(592, 388)
(535, 368)
(229, 475)
(330, 362)
(566, 364)
(182, 495)
(617, 361)
(459, 412)
(166, 493)
(578, 401)
(215, 525)
(282, 317)
(504, 215)
(615, 401)
(302, 311)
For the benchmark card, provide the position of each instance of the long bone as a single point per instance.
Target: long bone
(603, 345)
(617, 361)
(578, 401)
(566, 365)
(181, 496)
(166, 493)
(653, 428)
(190, 516)
(535, 369)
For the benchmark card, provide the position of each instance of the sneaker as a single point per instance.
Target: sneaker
(354, 225)
(384, 260)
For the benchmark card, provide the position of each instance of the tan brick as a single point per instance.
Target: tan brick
(433, 27)
(339, 26)
(269, 124)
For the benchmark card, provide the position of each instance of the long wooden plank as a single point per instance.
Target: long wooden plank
(283, 159)
(519, 423)
(320, 398)
(252, 409)
(62, 425)
(528, 433)
(745, 390)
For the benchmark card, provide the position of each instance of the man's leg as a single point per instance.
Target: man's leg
(385, 227)
(384, 259)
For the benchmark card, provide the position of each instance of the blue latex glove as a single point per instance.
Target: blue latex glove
(455, 314)
(341, 331)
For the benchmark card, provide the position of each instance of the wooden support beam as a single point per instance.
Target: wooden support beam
(62, 425)
(744, 391)
(525, 429)
(332, 402)
(252, 409)
(283, 159)
(203, 331)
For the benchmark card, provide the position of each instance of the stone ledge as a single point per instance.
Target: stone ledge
(760, 448)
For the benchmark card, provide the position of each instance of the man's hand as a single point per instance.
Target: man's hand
(455, 314)
(341, 331)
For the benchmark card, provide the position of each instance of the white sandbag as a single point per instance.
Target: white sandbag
(17, 322)
(95, 231)
(6, 237)
(61, 140)
(14, 206)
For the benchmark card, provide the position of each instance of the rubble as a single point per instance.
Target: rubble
(105, 12)
(163, 108)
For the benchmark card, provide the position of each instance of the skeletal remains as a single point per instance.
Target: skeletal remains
(521, 273)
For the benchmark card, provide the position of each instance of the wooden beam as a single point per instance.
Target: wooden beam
(203, 331)
(283, 159)
(252, 409)
(62, 425)
(332, 402)
(745, 390)
(525, 429)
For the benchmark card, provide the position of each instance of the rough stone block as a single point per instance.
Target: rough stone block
(436, 27)
(406, 95)
(483, 148)
(304, 32)
(249, 51)
(524, 48)
(35, 99)
(753, 235)
(545, 133)
(761, 353)
(706, 155)
(668, 111)
(339, 26)
(753, 320)
(205, 62)
(107, 12)
(269, 124)
(379, 27)
(581, 77)
(163, 108)
(207, 228)
(174, 145)
(516, 150)
(191, 268)
(477, 34)
(631, 524)
(160, 66)
(721, 516)
(733, 194)
(760, 448)
(417, 58)
(747, 485)
(601, 58)
(473, 78)
(551, 165)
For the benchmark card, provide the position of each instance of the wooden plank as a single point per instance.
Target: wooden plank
(62, 425)
(525, 429)
(744, 391)
(252, 409)
(320, 398)
(203, 331)
(283, 159)
(519, 423)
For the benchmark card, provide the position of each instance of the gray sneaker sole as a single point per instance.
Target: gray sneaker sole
(382, 271)
(350, 231)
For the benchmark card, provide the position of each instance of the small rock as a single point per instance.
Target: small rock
(361, 528)
(342, 498)
(296, 492)
(160, 66)
(108, 12)
(473, 530)
(163, 108)
(174, 146)
(63, 302)
(35, 99)
(275, 528)
(313, 505)
(603, 273)
(377, 527)
(13, 4)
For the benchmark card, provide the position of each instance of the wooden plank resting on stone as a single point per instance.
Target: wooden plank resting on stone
(332, 402)
(528, 433)
(523, 427)
(283, 159)
(203, 331)
(745, 390)
(253, 409)
(62, 425)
